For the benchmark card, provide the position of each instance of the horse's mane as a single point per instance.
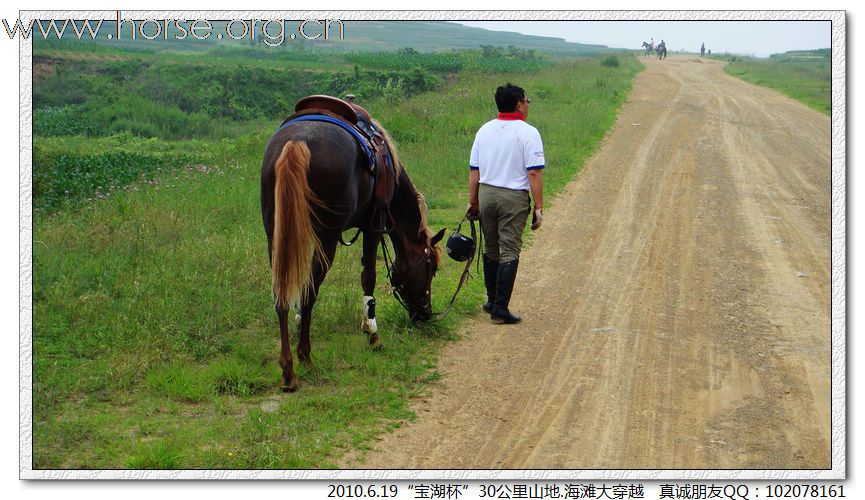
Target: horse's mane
(423, 227)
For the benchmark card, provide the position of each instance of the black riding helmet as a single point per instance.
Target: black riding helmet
(460, 247)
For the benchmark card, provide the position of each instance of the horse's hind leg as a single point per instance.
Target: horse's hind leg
(289, 379)
(369, 325)
(319, 271)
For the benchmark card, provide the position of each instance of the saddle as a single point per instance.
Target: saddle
(358, 122)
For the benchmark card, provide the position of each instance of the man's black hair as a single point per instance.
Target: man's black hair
(507, 97)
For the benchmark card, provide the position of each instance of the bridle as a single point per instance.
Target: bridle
(392, 272)
(427, 259)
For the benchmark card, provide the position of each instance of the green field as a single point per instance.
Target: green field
(155, 344)
(803, 75)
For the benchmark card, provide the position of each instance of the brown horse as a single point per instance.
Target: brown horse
(315, 184)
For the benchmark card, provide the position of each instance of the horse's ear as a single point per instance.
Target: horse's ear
(438, 237)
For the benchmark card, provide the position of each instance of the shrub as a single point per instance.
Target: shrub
(610, 62)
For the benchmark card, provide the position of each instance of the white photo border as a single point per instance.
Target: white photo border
(838, 250)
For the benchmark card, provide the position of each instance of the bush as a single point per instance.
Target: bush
(393, 85)
(610, 62)
(143, 117)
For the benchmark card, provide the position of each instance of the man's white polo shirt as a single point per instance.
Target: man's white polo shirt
(504, 151)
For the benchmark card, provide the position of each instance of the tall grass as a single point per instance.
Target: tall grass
(155, 344)
(803, 75)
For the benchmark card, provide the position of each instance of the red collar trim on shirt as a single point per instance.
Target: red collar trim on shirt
(511, 116)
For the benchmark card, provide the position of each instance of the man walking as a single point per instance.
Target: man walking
(507, 161)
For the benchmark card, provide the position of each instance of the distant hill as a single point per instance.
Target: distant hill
(424, 36)
(443, 35)
(804, 54)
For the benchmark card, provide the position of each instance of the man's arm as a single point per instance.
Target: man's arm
(534, 158)
(536, 184)
(474, 183)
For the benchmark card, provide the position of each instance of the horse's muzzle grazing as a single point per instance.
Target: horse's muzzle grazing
(421, 316)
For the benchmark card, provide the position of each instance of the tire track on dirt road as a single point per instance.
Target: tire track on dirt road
(675, 303)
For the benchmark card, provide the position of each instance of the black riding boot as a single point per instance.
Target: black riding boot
(504, 287)
(491, 271)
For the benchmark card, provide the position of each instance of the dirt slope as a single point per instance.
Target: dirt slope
(676, 302)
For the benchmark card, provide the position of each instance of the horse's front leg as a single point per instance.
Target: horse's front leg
(371, 240)
(319, 271)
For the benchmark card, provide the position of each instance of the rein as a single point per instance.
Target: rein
(465, 276)
(388, 264)
(351, 242)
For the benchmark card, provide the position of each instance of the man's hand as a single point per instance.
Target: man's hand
(537, 218)
(472, 211)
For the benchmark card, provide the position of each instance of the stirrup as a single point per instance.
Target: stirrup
(382, 217)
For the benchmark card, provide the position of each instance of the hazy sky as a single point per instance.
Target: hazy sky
(759, 38)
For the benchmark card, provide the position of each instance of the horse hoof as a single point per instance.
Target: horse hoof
(290, 387)
(375, 342)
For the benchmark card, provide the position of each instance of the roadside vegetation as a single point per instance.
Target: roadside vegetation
(803, 75)
(155, 344)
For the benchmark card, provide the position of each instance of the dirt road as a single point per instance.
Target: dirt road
(676, 302)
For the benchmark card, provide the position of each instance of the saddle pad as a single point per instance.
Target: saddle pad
(370, 156)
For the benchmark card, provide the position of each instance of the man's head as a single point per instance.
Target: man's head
(510, 98)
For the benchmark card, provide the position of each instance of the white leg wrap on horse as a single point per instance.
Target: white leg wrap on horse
(369, 325)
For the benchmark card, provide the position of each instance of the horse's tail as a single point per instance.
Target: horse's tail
(294, 240)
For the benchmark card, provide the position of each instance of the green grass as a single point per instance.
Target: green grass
(67, 179)
(155, 344)
(102, 91)
(487, 59)
(183, 97)
(804, 75)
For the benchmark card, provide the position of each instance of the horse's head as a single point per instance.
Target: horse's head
(412, 274)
